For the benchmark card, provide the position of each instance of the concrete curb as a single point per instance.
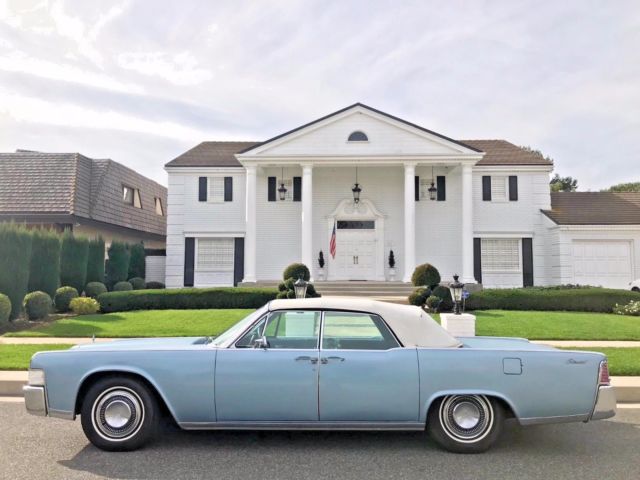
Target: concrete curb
(627, 388)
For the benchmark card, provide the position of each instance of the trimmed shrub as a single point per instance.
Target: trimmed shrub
(63, 298)
(93, 289)
(73, 261)
(184, 298)
(282, 295)
(419, 296)
(591, 299)
(37, 305)
(5, 309)
(282, 287)
(295, 271)
(137, 261)
(433, 303)
(631, 308)
(44, 269)
(95, 261)
(84, 306)
(117, 267)
(137, 283)
(425, 275)
(122, 287)
(154, 285)
(444, 294)
(15, 256)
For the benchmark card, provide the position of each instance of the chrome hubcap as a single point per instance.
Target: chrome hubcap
(466, 418)
(117, 414)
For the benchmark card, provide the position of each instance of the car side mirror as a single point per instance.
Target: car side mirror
(261, 342)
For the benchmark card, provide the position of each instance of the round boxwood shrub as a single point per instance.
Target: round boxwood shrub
(295, 271)
(63, 298)
(419, 296)
(37, 305)
(282, 287)
(122, 287)
(137, 283)
(425, 275)
(444, 294)
(5, 309)
(153, 285)
(281, 295)
(93, 289)
(433, 303)
(84, 305)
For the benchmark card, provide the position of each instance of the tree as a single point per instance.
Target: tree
(95, 262)
(137, 261)
(624, 187)
(563, 184)
(73, 261)
(44, 270)
(118, 265)
(15, 256)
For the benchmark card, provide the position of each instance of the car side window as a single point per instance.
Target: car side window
(356, 331)
(293, 329)
(246, 341)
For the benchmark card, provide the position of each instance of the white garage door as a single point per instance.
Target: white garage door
(605, 263)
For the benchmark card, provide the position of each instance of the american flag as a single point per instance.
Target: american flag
(332, 242)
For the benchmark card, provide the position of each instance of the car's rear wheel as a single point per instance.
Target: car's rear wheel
(119, 414)
(465, 423)
(635, 289)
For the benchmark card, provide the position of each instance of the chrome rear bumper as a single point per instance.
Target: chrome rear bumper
(605, 403)
(35, 400)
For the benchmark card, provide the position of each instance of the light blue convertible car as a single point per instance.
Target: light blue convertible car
(324, 363)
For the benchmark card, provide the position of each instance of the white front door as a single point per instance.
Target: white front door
(355, 250)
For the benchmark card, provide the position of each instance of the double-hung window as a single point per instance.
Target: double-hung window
(215, 254)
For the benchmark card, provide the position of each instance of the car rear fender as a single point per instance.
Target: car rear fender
(505, 400)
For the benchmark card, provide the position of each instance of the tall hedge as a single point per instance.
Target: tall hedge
(44, 270)
(73, 261)
(15, 257)
(118, 264)
(137, 261)
(95, 261)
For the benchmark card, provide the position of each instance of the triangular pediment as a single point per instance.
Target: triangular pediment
(385, 136)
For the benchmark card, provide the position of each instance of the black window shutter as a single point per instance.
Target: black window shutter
(513, 188)
(416, 186)
(228, 189)
(297, 189)
(486, 188)
(527, 262)
(238, 260)
(441, 185)
(202, 189)
(271, 189)
(189, 257)
(477, 259)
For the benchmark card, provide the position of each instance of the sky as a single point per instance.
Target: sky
(142, 81)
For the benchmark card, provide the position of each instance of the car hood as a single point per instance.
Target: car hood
(144, 344)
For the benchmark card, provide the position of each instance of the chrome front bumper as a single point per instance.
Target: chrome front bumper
(605, 403)
(35, 400)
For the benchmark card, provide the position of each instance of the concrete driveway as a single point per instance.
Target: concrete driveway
(39, 448)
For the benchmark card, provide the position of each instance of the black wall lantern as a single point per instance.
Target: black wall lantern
(356, 189)
(433, 191)
(282, 190)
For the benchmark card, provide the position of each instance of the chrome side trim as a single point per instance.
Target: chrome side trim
(312, 425)
(35, 400)
(605, 404)
(64, 414)
(558, 419)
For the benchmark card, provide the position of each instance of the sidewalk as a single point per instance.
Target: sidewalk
(588, 343)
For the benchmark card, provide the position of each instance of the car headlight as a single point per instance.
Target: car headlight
(36, 377)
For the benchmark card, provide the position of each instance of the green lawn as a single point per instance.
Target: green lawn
(16, 357)
(622, 361)
(141, 323)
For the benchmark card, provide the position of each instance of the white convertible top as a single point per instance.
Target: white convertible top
(412, 325)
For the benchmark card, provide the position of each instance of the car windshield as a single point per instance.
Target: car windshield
(224, 338)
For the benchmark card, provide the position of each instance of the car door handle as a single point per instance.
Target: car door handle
(306, 358)
(325, 360)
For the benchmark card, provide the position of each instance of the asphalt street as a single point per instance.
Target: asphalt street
(39, 448)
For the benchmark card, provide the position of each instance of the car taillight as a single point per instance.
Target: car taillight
(603, 373)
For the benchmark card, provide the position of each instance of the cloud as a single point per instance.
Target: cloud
(179, 69)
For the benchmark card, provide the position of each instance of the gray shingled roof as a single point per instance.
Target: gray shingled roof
(594, 208)
(221, 154)
(34, 183)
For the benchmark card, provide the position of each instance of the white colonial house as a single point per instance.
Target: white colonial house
(240, 212)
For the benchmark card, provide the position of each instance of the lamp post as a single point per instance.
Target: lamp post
(300, 287)
(456, 294)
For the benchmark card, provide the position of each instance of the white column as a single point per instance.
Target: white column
(307, 217)
(250, 227)
(409, 221)
(466, 275)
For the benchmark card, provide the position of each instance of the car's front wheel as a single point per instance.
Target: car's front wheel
(465, 423)
(119, 414)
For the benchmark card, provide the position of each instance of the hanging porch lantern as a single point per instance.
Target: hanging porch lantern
(356, 189)
(282, 191)
(433, 191)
